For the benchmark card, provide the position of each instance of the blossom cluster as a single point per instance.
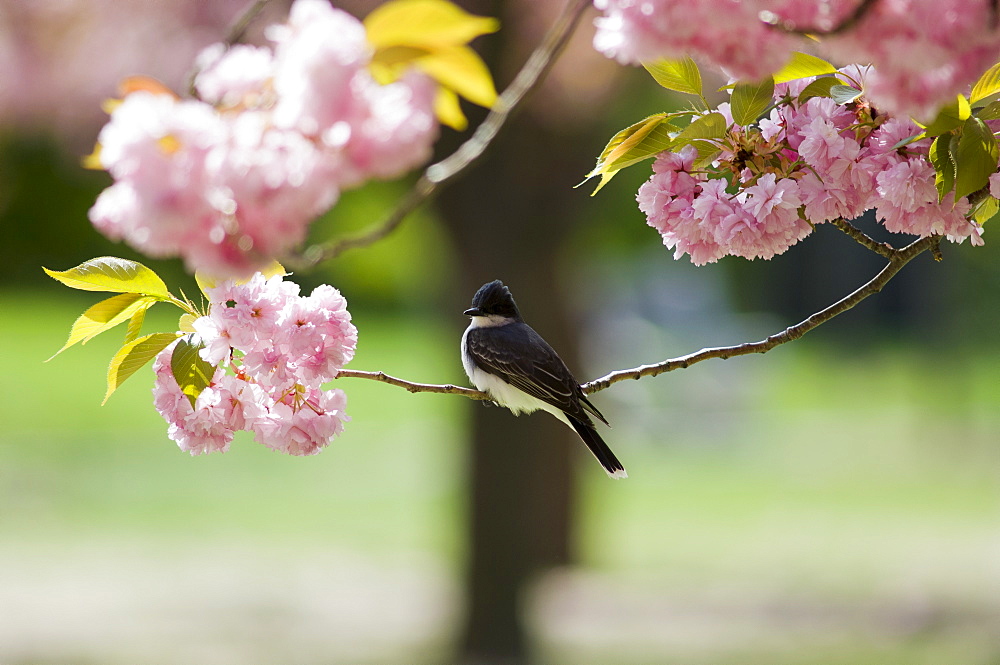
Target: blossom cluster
(808, 162)
(925, 51)
(231, 180)
(280, 348)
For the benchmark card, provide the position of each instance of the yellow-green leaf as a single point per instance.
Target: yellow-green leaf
(943, 161)
(709, 126)
(632, 145)
(950, 117)
(105, 315)
(623, 134)
(135, 325)
(459, 68)
(818, 88)
(986, 210)
(988, 84)
(802, 65)
(448, 110)
(186, 323)
(133, 356)
(424, 23)
(389, 63)
(750, 99)
(109, 273)
(703, 134)
(191, 372)
(976, 157)
(679, 75)
(989, 112)
(844, 94)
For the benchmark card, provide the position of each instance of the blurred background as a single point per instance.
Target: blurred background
(836, 500)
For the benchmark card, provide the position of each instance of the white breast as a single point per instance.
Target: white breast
(499, 390)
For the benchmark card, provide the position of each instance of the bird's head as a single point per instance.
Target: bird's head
(493, 301)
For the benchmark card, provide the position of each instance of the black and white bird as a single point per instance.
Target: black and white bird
(505, 358)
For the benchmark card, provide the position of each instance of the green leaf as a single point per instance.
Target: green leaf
(802, 65)
(950, 117)
(976, 157)
(680, 75)
(105, 315)
(134, 355)
(908, 140)
(186, 323)
(710, 126)
(944, 164)
(988, 84)
(191, 372)
(986, 210)
(703, 134)
(631, 145)
(135, 325)
(819, 88)
(844, 94)
(109, 273)
(989, 112)
(749, 100)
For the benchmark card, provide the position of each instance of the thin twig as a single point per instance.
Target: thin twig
(897, 259)
(437, 175)
(239, 29)
(863, 239)
(412, 387)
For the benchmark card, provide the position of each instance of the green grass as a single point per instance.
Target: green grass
(390, 482)
(805, 479)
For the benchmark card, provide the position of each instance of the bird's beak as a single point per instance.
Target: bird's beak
(473, 311)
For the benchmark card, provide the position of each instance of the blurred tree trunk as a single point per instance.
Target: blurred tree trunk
(510, 217)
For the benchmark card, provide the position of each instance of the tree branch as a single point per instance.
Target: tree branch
(410, 386)
(897, 259)
(863, 239)
(437, 175)
(239, 28)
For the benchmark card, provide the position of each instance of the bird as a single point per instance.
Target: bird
(506, 359)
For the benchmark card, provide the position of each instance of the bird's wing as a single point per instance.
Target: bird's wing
(593, 410)
(519, 356)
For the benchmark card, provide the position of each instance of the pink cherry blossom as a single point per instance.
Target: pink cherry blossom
(924, 51)
(995, 185)
(304, 430)
(280, 348)
(771, 224)
(234, 76)
(232, 181)
(727, 33)
(203, 428)
(806, 163)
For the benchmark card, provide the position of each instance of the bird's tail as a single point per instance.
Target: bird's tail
(589, 434)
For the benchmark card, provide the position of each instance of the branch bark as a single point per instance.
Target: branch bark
(898, 258)
(438, 175)
(448, 388)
